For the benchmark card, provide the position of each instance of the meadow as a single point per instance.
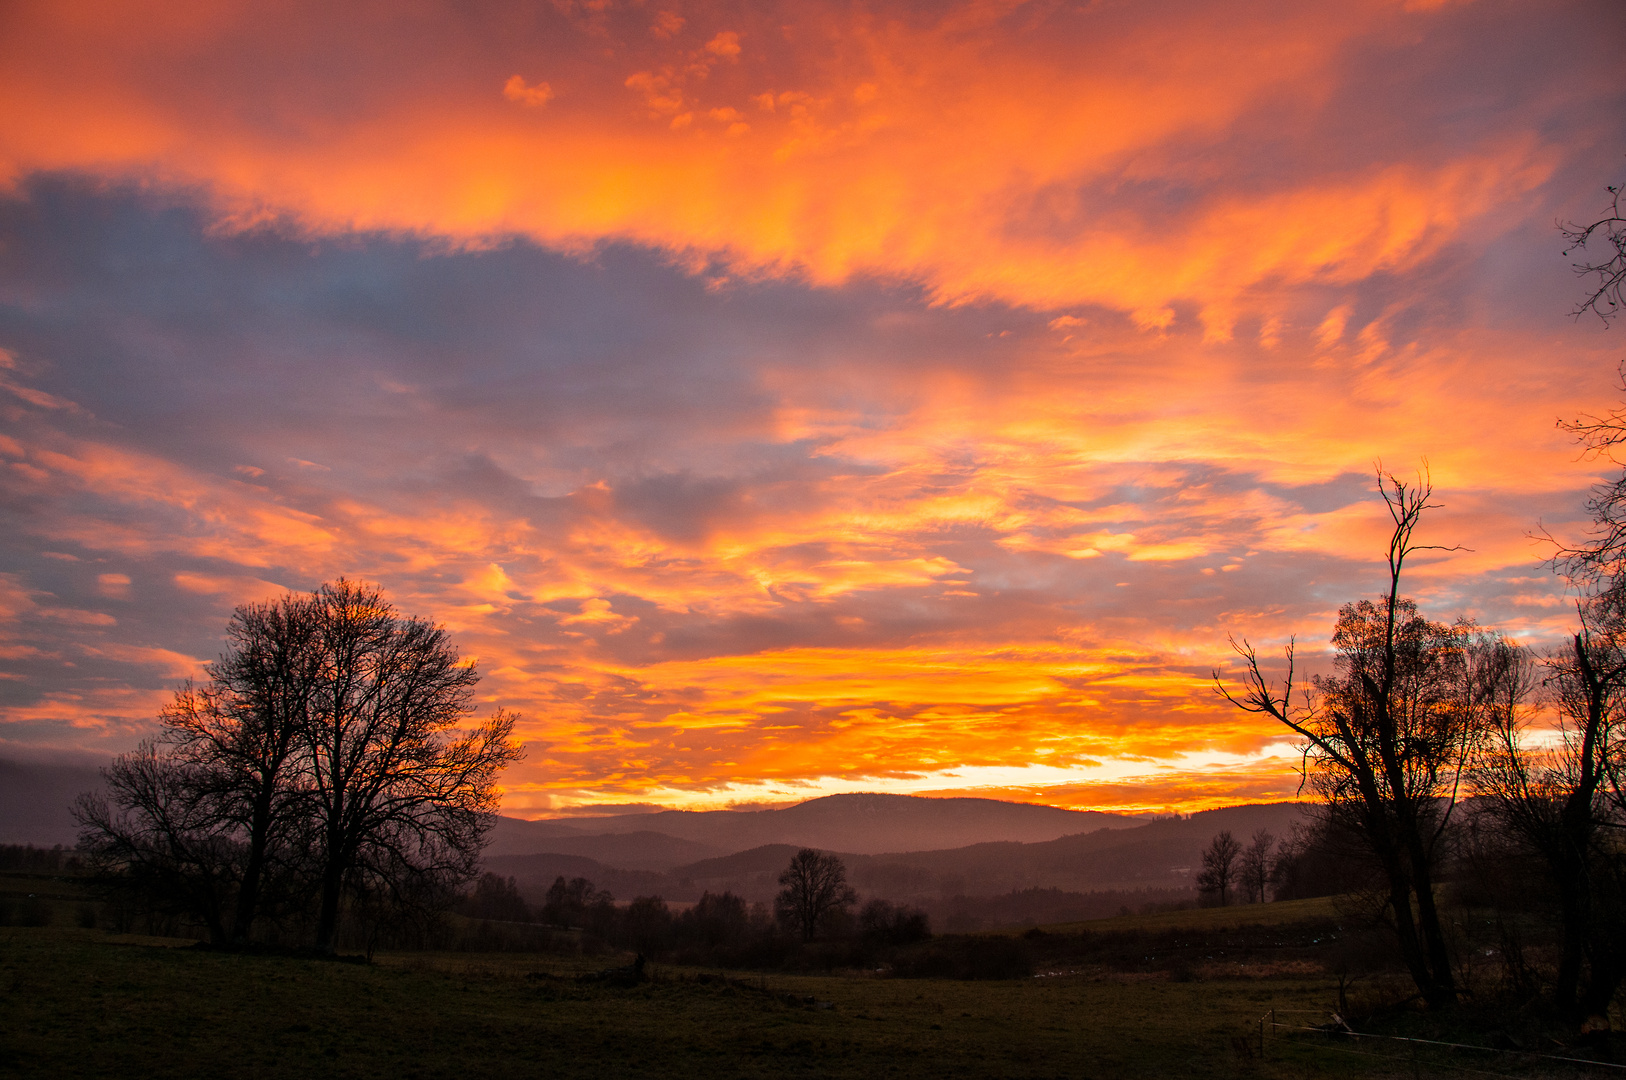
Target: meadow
(78, 1001)
(83, 1003)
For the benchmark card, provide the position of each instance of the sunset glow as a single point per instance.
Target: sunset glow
(778, 400)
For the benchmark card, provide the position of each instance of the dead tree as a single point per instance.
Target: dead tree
(1387, 737)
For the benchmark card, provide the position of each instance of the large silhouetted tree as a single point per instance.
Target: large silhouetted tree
(812, 888)
(322, 746)
(1387, 737)
(241, 731)
(397, 800)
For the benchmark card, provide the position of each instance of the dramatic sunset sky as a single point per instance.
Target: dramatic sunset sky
(779, 399)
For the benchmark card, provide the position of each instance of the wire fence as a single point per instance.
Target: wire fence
(1329, 1036)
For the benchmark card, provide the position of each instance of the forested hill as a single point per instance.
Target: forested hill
(868, 824)
(1160, 854)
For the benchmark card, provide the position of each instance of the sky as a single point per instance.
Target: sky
(783, 399)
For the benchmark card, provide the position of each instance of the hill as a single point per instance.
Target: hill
(865, 824)
(642, 850)
(1156, 856)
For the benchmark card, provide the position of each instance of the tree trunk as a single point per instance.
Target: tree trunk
(1411, 948)
(1573, 917)
(1604, 979)
(327, 918)
(1442, 989)
(248, 894)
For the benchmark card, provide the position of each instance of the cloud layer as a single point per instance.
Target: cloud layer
(789, 400)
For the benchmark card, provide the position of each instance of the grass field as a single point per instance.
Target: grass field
(80, 1003)
(1219, 918)
(87, 1003)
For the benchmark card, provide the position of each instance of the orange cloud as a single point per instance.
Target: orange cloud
(534, 95)
(1115, 305)
(974, 152)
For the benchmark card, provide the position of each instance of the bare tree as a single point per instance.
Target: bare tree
(577, 902)
(397, 800)
(1255, 865)
(320, 747)
(1388, 736)
(241, 731)
(1609, 271)
(1219, 870)
(495, 897)
(155, 835)
(813, 887)
(1556, 803)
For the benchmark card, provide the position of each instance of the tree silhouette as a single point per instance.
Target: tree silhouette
(1387, 737)
(1219, 866)
(321, 747)
(241, 730)
(157, 837)
(396, 801)
(1254, 866)
(813, 887)
(1609, 270)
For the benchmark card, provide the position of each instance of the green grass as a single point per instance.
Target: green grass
(1224, 918)
(87, 1004)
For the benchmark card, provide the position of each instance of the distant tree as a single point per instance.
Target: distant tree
(1219, 870)
(495, 897)
(813, 889)
(398, 802)
(575, 903)
(1254, 866)
(646, 925)
(885, 923)
(717, 920)
(1320, 858)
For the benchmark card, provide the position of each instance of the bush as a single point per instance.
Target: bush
(886, 924)
(495, 897)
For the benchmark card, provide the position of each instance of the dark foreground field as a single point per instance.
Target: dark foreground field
(83, 1003)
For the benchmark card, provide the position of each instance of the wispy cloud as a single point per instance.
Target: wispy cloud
(800, 400)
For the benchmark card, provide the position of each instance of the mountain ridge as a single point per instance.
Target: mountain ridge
(864, 823)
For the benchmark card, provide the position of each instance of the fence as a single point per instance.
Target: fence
(1270, 1028)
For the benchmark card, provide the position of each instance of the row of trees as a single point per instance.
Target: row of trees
(319, 768)
(814, 902)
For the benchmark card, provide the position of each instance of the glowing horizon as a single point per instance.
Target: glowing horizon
(794, 399)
